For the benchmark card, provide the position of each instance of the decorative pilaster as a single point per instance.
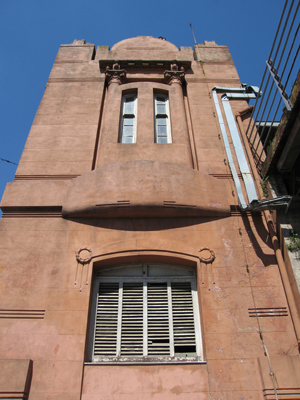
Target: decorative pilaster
(115, 75)
(175, 77)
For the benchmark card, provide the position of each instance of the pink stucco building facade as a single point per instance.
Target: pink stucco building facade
(128, 268)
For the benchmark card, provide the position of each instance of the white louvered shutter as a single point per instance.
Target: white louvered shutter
(132, 320)
(158, 320)
(106, 326)
(183, 318)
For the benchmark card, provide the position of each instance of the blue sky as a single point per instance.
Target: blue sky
(31, 32)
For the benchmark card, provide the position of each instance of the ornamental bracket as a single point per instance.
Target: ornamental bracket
(174, 75)
(115, 75)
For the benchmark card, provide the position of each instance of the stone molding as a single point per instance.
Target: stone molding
(175, 75)
(115, 75)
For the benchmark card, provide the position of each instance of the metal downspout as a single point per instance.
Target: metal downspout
(254, 203)
(256, 177)
(238, 147)
(281, 264)
(238, 187)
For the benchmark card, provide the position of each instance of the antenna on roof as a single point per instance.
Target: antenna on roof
(193, 34)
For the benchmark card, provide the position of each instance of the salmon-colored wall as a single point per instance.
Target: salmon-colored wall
(145, 148)
(72, 162)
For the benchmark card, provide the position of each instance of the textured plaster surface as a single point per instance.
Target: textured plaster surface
(45, 294)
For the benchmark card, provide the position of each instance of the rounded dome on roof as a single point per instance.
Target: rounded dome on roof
(145, 42)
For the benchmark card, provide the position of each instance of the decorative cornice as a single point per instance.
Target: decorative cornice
(145, 64)
(115, 75)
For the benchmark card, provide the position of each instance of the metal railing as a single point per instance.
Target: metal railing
(277, 83)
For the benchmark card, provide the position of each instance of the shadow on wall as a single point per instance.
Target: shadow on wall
(142, 224)
(257, 232)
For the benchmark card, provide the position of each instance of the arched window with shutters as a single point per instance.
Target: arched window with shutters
(145, 312)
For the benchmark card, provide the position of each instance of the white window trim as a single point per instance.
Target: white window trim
(167, 115)
(171, 357)
(134, 115)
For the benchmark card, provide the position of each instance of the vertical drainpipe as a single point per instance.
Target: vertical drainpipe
(269, 220)
(238, 147)
(237, 184)
(237, 93)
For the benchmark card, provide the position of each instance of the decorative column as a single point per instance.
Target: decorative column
(114, 77)
(175, 78)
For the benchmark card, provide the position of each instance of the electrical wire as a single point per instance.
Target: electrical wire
(10, 162)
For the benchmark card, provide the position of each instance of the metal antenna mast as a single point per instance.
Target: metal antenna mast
(196, 50)
(193, 34)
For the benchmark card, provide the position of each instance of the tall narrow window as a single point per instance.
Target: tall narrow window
(128, 119)
(162, 119)
(146, 312)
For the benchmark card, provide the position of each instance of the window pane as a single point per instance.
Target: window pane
(128, 120)
(161, 120)
(129, 105)
(127, 130)
(161, 106)
(169, 270)
(126, 270)
(132, 320)
(162, 139)
(161, 131)
(161, 109)
(127, 139)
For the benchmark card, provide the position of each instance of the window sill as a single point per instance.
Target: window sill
(136, 362)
